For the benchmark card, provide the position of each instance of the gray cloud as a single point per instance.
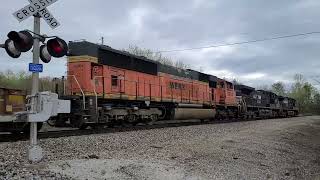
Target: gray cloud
(162, 25)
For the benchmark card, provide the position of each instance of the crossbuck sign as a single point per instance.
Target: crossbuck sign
(37, 6)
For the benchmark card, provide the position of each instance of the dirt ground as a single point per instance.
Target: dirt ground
(263, 149)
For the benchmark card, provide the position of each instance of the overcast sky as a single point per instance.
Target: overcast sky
(179, 24)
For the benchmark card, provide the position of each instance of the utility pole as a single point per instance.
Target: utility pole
(23, 41)
(35, 151)
(102, 40)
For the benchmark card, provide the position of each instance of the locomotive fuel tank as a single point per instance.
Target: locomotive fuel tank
(193, 113)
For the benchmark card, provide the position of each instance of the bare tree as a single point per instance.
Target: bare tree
(264, 87)
(278, 88)
(236, 82)
(156, 56)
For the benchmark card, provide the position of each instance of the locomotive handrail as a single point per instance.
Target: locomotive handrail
(83, 95)
(94, 91)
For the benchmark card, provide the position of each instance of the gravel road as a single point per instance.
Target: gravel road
(264, 149)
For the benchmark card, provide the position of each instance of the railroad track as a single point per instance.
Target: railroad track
(78, 132)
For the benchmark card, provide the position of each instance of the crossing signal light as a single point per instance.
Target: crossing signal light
(57, 47)
(18, 42)
(23, 40)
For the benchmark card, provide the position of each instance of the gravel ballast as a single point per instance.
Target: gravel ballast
(264, 149)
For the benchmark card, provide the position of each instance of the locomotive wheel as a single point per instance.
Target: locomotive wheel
(153, 119)
(57, 121)
(52, 122)
(77, 121)
(132, 119)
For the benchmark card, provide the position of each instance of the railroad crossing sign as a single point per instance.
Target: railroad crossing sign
(37, 6)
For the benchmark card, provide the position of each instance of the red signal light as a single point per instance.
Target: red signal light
(57, 47)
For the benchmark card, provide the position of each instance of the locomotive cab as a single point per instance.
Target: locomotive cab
(225, 93)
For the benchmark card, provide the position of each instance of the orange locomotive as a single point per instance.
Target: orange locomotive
(108, 86)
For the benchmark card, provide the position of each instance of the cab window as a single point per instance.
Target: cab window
(114, 80)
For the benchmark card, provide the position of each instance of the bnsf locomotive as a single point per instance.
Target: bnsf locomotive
(108, 86)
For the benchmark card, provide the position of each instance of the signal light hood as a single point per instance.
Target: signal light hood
(23, 40)
(11, 49)
(57, 47)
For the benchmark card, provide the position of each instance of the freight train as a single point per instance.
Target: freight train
(11, 102)
(109, 87)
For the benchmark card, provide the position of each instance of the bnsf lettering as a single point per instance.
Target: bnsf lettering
(175, 85)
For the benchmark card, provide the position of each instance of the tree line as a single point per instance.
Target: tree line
(22, 80)
(157, 56)
(307, 96)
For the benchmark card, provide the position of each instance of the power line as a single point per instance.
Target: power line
(316, 80)
(243, 42)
